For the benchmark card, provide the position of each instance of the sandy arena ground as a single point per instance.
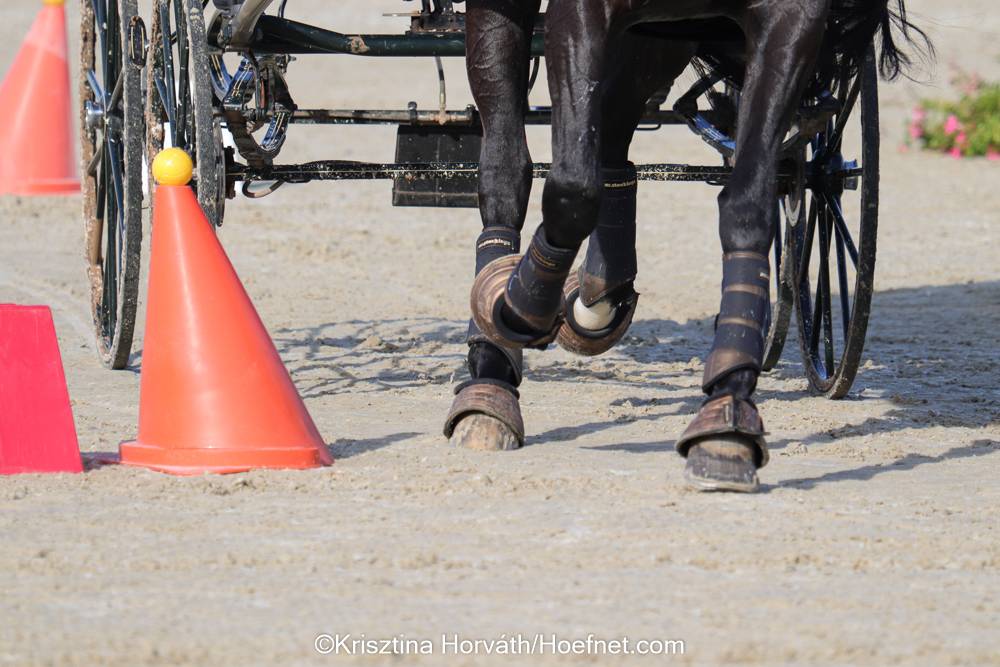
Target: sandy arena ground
(874, 542)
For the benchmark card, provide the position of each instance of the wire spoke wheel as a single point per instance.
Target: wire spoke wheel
(835, 239)
(111, 129)
(179, 109)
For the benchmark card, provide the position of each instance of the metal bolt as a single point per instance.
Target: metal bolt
(94, 115)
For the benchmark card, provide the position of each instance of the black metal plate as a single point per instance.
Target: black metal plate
(437, 144)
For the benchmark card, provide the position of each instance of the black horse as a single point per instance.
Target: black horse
(605, 59)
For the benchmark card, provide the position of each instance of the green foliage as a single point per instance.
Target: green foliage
(969, 127)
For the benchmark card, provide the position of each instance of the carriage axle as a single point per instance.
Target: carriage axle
(341, 170)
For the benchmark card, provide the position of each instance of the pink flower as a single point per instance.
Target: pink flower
(992, 154)
(961, 138)
(916, 131)
(956, 153)
(919, 115)
(972, 84)
(952, 125)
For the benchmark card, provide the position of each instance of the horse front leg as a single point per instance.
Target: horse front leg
(724, 445)
(486, 412)
(519, 303)
(601, 299)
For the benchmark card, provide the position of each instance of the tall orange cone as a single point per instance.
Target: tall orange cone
(214, 395)
(36, 127)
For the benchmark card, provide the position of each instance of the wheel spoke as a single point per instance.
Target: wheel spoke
(183, 82)
(102, 183)
(100, 23)
(116, 95)
(838, 220)
(116, 172)
(847, 106)
(845, 297)
(816, 324)
(807, 241)
(824, 287)
(95, 88)
(163, 92)
(99, 13)
(168, 70)
(110, 304)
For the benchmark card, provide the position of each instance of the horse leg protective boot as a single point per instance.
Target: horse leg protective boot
(495, 371)
(608, 273)
(486, 359)
(739, 329)
(534, 293)
(610, 267)
(725, 443)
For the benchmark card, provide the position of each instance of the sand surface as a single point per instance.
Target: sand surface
(875, 541)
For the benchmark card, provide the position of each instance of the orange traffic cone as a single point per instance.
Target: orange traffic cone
(36, 134)
(214, 395)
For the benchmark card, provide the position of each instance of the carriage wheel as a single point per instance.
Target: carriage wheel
(179, 106)
(111, 129)
(835, 243)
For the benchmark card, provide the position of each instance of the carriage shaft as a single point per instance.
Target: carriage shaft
(274, 34)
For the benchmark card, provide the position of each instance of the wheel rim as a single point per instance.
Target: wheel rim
(835, 238)
(112, 200)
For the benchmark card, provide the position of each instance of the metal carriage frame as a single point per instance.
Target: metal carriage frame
(158, 80)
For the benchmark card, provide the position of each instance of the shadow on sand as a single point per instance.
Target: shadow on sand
(937, 345)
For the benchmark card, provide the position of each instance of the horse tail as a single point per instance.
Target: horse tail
(853, 25)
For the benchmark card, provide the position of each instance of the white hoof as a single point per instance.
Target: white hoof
(596, 317)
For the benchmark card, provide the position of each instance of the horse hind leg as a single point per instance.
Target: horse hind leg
(724, 445)
(601, 299)
(486, 411)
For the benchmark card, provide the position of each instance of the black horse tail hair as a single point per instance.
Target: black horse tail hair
(853, 25)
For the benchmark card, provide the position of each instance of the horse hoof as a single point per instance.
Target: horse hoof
(486, 302)
(483, 433)
(722, 463)
(724, 446)
(587, 341)
(485, 416)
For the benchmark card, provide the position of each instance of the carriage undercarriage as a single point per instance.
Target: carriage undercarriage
(162, 80)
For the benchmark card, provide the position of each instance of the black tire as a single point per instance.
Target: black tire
(179, 107)
(111, 151)
(832, 335)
